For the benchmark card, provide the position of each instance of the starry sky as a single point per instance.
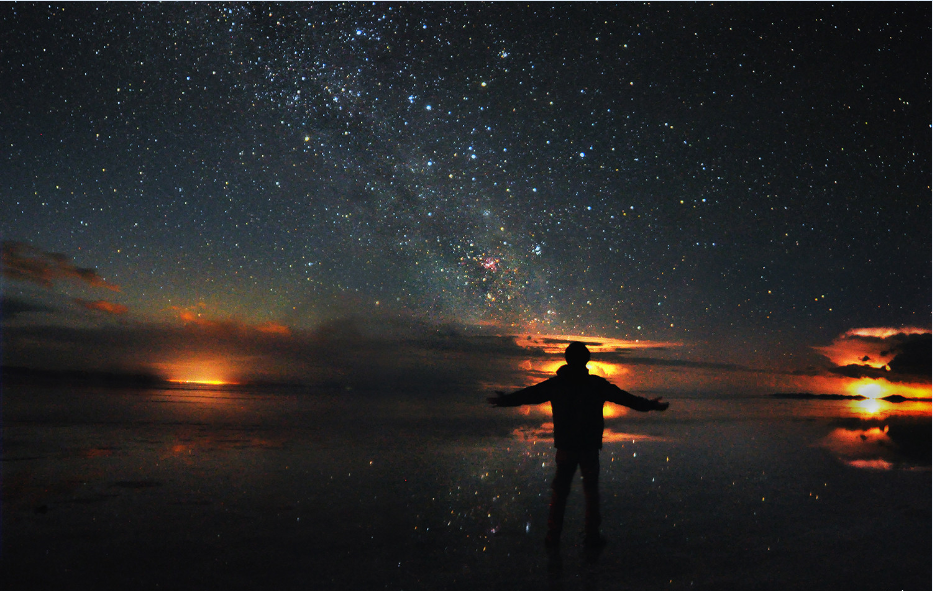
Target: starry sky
(738, 189)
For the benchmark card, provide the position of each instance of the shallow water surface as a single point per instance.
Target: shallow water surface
(286, 489)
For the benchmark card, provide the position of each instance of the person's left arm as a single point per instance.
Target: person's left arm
(617, 395)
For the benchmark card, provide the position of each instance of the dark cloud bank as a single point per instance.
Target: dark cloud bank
(376, 354)
(346, 353)
(911, 361)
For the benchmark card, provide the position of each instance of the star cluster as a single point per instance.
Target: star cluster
(659, 172)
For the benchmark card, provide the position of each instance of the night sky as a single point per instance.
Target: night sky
(740, 187)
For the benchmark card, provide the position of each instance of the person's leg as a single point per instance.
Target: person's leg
(560, 488)
(589, 469)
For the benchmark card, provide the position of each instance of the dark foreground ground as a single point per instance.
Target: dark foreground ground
(136, 489)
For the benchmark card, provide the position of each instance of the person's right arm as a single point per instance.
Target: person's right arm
(536, 394)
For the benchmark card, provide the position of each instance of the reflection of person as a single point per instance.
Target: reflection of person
(577, 400)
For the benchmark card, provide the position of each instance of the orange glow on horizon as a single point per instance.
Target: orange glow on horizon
(880, 388)
(204, 382)
(867, 388)
(203, 372)
(875, 391)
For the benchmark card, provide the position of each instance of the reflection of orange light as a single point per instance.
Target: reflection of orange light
(857, 438)
(877, 464)
(609, 410)
(869, 406)
(862, 448)
(612, 410)
(545, 432)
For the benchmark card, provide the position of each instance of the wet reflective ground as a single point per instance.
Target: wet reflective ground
(238, 489)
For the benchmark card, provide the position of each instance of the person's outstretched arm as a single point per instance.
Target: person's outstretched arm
(531, 395)
(619, 396)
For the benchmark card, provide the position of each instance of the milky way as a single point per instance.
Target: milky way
(667, 172)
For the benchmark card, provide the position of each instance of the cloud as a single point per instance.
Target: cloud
(885, 332)
(21, 262)
(893, 354)
(12, 307)
(913, 356)
(623, 359)
(557, 343)
(102, 306)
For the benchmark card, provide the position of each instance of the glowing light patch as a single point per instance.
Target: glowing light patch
(878, 464)
(605, 370)
(545, 433)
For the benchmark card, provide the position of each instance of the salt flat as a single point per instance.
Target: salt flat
(287, 489)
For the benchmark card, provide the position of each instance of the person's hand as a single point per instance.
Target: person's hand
(497, 399)
(659, 405)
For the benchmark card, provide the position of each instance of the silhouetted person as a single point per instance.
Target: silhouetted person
(577, 400)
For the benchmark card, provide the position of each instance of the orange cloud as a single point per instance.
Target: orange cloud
(190, 317)
(555, 344)
(102, 306)
(21, 262)
(883, 333)
(274, 328)
(870, 347)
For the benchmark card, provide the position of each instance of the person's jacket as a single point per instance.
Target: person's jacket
(577, 400)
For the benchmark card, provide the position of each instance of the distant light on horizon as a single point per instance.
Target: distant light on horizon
(870, 390)
(204, 382)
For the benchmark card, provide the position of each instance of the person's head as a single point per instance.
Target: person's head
(576, 354)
